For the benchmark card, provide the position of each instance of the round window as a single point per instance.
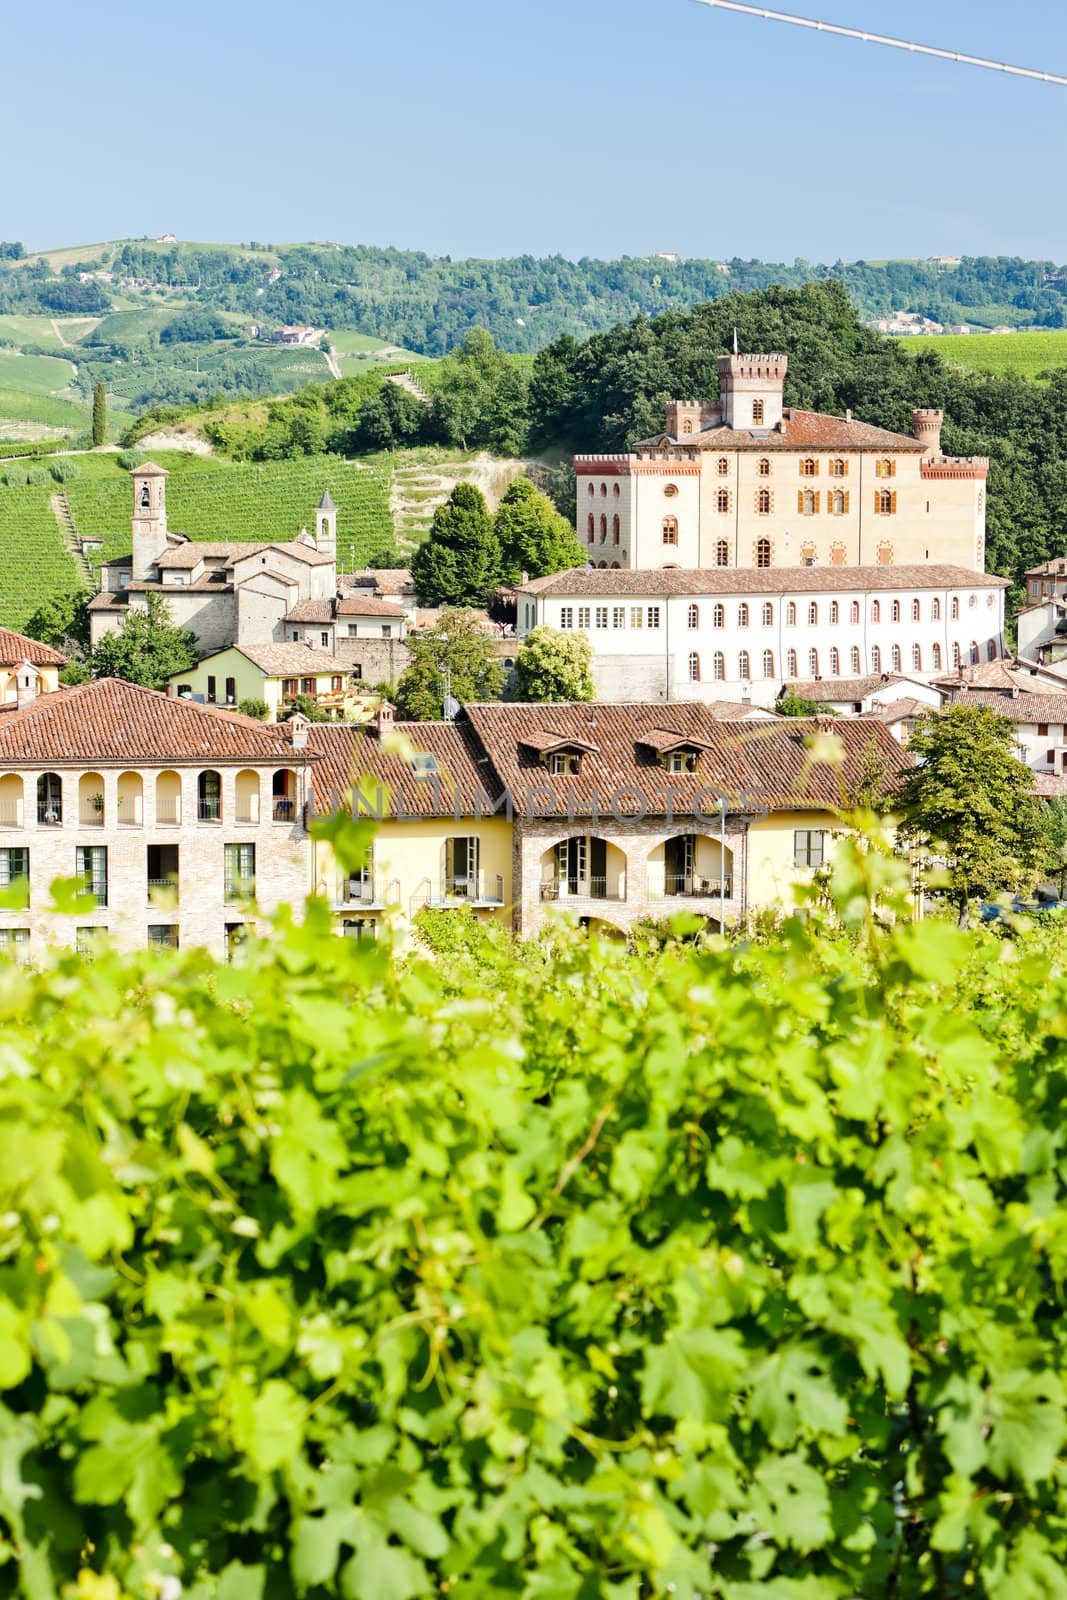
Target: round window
(670, 490)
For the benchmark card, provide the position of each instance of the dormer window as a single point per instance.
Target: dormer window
(681, 761)
(564, 763)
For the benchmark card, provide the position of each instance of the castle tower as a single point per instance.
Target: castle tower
(926, 425)
(326, 526)
(149, 518)
(686, 417)
(751, 390)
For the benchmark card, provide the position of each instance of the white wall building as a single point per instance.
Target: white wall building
(677, 635)
(750, 482)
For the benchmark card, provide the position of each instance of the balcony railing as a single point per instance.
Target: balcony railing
(163, 891)
(691, 886)
(367, 891)
(90, 816)
(477, 889)
(49, 814)
(581, 888)
(283, 809)
(209, 810)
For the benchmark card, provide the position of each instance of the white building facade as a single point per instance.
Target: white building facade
(711, 635)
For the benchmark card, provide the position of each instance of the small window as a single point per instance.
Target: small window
(835, 612)
(15, 875)
(615, 490)
(670, 530)
(757, 412)
(813, 663)
(566, 616)
(885, 468)
(718, 666)
(854, 612)
(955, 607)
(876, 658)
(809, 847)
(603, 488)
(896, 611)
(742, 615)
(916, 658)
(763, 504)
(808, 503)
(838, 503)
(791, 663)
(723, 466)
(694, 666)
(763, 552)
(684, 760)
(693, 617)
(974, 654)
(791, 614)
(90, 864)
(894, 658)
(839, 468)
(616, 533)
(744, 668)
(916, 610)
(991, 651)
(670, 490)
(972, 601)
(591, 527)
(231, 691)
(687, 426)
(584, 616)
(162, 936)
(718, 616)
(212, 691)
(956, 655)
(854, 659)
(764, 468)
(307, 686)
(604, 529)
(16, 941)
(936, 652)
(813, 613)
(835, 663)
(722, 554)
(601, 616)
(238, 872)
(291, 686)
(564, 763)
(653, 616)
(637, 617)
(809, 467)
(722, 500)
(592, 489)
(768, 663)
(618, 616)
(885, 502)
(767, 615)
(876, 611)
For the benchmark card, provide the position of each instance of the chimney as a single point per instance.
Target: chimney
(25, 685)
(926, 426)
(384, 717)
(171, 691)
(298, 730)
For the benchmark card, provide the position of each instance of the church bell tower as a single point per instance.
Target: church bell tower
(326, 525)
(149, 518)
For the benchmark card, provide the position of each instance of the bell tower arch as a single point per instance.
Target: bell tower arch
(149, 518)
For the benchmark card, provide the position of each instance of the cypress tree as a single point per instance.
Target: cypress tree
(99, 414)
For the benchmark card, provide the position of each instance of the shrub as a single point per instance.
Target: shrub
(128, 459)
(254, 708)
(63, 469)
(37, 478)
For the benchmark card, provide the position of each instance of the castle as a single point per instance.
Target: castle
(748, 482)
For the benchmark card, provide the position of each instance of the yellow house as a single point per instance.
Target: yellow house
(273, 673)
(614, 814)
(27, 668)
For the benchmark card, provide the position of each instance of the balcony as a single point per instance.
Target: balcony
(168, 816)
(692, 887)
(10, 814)
(367, 891)
(162, 891)
(587, 888)
(475, 889)
(283, 809)
(90, 815)
(209, 811)
(49, 814)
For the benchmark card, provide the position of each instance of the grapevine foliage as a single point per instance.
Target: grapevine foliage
(563, 1273)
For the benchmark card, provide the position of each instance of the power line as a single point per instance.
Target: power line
(881, 38)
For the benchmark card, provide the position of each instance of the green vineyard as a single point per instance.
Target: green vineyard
(36, 563)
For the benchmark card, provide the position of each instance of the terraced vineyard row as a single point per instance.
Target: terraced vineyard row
(273, 501)
(36, 562)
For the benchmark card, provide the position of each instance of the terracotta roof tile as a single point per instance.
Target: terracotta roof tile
(579, 581)
(311, 611)
(353, 606)
(16, 647)
(1020, 707)
(463, 777)
(296, 660)
(110, 721)
(804, 430)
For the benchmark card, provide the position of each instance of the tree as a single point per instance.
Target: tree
(870, 793)
(63, 622)
(99, 414)
(795, 705)
(968, 802)
(533, 537)
(480, 397)
(460, 561)
(307, 706)
(147, 648)
(554, 666)
(1056, 834)
(254, 708)
(457, 647)
(390, 419)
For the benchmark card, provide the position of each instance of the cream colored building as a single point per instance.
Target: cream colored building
(750, 482)
(274, 673)
(27, 667)
(186, 821)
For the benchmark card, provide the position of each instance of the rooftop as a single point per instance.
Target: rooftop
(711, 581)
(802, 430)
(17, 647)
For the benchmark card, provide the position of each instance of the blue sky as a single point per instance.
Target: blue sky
(484, 127)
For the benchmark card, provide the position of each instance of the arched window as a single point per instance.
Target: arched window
(813, 613)
(854, 658)
(603, 488)
(757, 412)
(896, 610)
(837, 503)
(592, 527)
(835, 612)
(835, 663)
(722, 554)
(615, 490)
(885, 468)
(592, 488)
(813, 663)
(854, 612)
(935, 610)
(876, 611)
(916, 611)
(955, 607)
(694, 667)
(687, 426)
(718, 617)
(876, 659)
(722, 500)
(807, 504)
(883, 502)
(768, 663)
(790, 663)
(974, 654)
(764, 468)
(724, 466)
(763, 552)
(744, 669)
(209, 797)
(763, 502)
(767, 614)
(791, 615)
(693, 616)
(838, 468)
(603, 530)
(718, 666)
(955, 655)
(145, 501)
(49, 800)
(742, 615)
(991, 651)
(670, 530)
(809, 467)
(895, 658)
(615, 528)
(916, 658)
(936, 653)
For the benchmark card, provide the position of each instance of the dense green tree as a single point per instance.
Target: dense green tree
(146, 649)
(307, 706)
(797, 705)
(63, 622)
(1056, 835)
(254, 708)
(551, 665)
(391, 419)
(532, 535)
(968, 804)
(460, 561)
(480, 397)
(457, 654)
(99, 414)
